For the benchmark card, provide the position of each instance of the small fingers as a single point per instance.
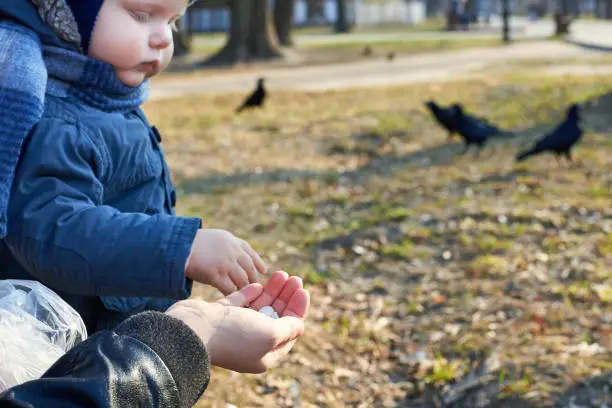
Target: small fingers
(239, 276)
(259, 263)
(226, 285)
(247, 264)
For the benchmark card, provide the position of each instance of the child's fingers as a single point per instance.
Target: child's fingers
(259, 263)
(247, 264)
(239, 276)
(226, 285)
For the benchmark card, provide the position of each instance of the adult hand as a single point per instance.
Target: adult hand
(241, 339)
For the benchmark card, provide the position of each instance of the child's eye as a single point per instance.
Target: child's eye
(140, 16)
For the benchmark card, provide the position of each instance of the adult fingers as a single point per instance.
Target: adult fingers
(271, 289)
(294, 283)
(287, 328)
(298, 304)
(243, 296)
(274, 356)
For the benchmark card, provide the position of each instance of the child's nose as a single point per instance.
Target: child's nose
(161, 39)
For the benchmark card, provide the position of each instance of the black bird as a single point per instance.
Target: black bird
(367, 51)
(391, 56)
(561, 139)
(491, 129)
(444, 116)
(256, 99)
(472, 130)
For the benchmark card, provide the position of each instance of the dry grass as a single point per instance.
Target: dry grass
(336, 52)
(434, 277)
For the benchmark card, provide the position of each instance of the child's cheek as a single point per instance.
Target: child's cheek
(130, 52)
(167, 56)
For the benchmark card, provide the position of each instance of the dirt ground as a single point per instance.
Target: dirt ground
(437, 279)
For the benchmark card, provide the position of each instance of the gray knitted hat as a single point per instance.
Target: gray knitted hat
(58, 15)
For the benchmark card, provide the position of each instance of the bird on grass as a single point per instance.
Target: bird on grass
(367, 51)
(490, 128)
(447, 118)
(471, 129)
(561, 140)
(256, 99)
(391, 56)
(444, 116)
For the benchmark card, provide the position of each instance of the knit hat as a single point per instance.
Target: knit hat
(72, 20)
(85, 13)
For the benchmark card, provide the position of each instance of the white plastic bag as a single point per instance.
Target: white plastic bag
(36, 328)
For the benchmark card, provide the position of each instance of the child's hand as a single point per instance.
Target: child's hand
(220, 259)
(242, 339)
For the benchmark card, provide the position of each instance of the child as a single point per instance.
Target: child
(91, 209)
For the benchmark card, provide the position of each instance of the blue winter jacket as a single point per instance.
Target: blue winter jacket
(91, 212)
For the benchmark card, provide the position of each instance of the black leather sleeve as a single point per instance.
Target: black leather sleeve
(150, 360)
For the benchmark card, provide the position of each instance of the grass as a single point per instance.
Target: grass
(326, 52)
(489, 265)
(443, 371)
(407, 45)
(411, 251)
(604, 245)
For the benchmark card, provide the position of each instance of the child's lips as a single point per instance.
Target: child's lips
(150, 66)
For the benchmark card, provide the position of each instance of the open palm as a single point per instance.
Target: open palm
(240, 338)
(284, 294)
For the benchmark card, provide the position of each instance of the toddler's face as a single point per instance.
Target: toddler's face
(135, 36)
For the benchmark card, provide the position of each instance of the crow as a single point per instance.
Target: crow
(491, 129)
(561, 139)
(256, 99)
(471, 129)
(391, 56)
(444, 116)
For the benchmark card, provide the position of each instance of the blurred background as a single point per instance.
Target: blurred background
(438, 172)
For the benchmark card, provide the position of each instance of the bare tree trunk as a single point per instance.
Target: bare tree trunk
(252, 35)
(284, 11)
(506, 21)
(563, 20)
(315, 11)
(452, 15)
(342, 24)
(263, 39)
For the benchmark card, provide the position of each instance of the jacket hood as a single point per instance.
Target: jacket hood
(52, 20)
